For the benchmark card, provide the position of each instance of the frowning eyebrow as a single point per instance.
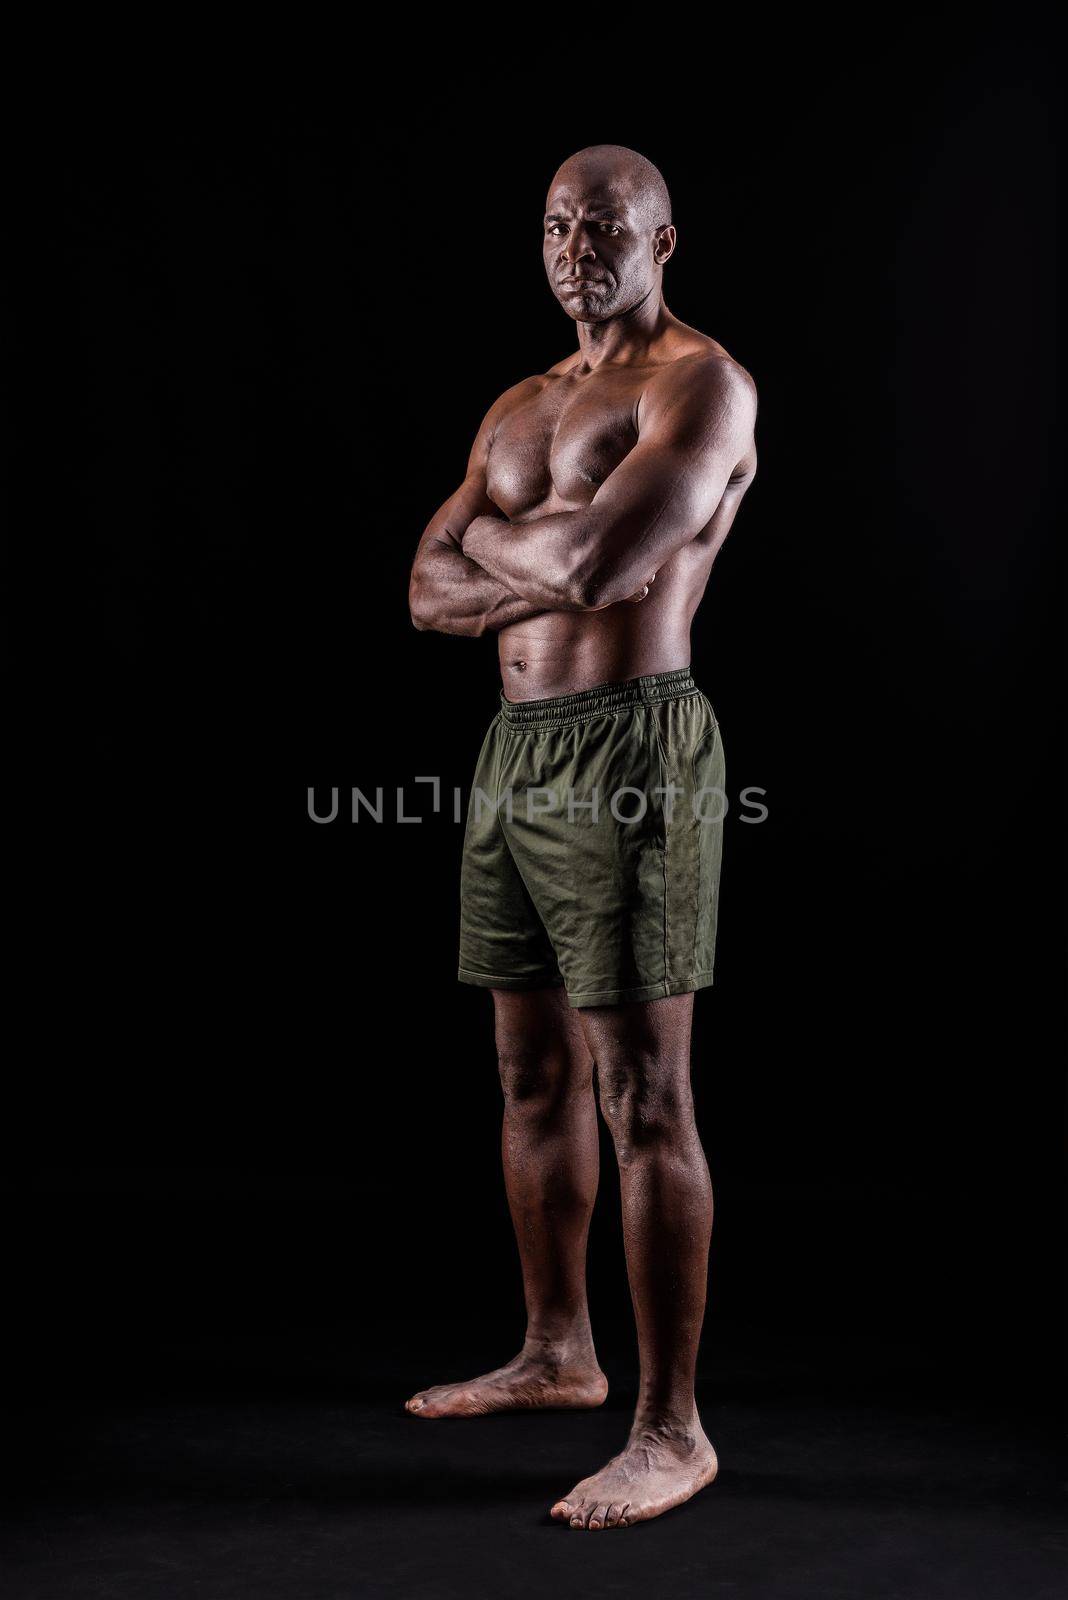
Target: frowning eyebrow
(592, 211)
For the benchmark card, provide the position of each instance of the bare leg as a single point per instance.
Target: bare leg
(643, 1067)
(549, 1147)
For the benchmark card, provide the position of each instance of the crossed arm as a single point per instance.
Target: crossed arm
(449, 591)
(475, 570)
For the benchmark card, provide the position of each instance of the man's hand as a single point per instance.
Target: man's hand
(483, 533)
(632, 599)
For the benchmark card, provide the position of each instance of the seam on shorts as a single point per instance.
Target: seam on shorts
(711, 733)
(500, 760)
(497, 981)
(648, 991)
(662, 757)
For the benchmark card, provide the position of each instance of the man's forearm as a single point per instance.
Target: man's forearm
(510, 609)
(452, 593)
(546, 561)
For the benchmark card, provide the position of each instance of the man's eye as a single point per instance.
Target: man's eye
(609, 228)
(556, 229)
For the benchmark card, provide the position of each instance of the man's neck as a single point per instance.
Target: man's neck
(624, 339)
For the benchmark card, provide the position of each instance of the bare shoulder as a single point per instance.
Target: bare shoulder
(706, 372)
(698, 395)
(700, 399)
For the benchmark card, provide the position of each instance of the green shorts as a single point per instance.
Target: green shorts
(593, 844)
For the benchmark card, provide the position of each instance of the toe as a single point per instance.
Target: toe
(431, 1403)
(415, 1403)
(578, 1516)
(597, 1516)
(612, 1516)
(561, 1511)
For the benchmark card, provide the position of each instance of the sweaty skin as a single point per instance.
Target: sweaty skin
(596, 499)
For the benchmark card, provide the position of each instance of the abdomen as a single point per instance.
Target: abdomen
(564, 651)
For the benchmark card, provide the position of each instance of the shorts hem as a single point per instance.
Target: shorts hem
(646, 991)
(489, 980)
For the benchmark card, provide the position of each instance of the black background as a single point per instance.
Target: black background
(263, 1154)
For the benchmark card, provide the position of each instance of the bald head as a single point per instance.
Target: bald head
(608, 232)
(625, 172)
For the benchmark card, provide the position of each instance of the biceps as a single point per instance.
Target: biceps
(661, 494)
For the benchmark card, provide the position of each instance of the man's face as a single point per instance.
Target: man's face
(598, 245)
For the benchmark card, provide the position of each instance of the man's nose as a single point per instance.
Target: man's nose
(578, 247)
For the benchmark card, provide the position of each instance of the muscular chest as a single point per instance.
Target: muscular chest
(556, 449)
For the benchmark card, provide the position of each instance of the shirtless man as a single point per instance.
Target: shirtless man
(596, 498)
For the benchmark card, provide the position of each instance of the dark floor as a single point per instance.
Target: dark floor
(285, 1485)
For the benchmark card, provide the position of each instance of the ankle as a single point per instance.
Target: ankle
(563, 1344)
(672, 1423)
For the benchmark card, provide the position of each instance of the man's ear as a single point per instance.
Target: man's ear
(663, 244)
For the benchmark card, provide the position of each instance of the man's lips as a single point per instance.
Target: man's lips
(579, 283)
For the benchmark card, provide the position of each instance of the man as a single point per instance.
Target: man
(596, 498)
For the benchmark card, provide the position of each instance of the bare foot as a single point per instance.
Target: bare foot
(660, 1467)
(530, 1382)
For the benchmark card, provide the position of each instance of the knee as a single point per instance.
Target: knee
(537, 1076)
(525, 1072)
(645, 1103)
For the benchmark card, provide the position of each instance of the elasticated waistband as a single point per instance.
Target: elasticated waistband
(596, 702)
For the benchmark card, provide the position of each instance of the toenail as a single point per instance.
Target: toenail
(415, 1405)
